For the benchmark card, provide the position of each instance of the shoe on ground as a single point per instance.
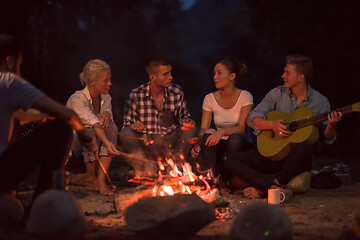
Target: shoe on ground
(341, 169)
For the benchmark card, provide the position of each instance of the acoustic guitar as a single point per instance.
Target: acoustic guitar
(301, 123)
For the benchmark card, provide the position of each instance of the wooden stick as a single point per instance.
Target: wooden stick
(105, 172)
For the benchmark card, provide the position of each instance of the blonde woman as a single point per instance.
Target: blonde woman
(93, 105)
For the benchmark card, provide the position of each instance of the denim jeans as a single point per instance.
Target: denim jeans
(251, 167)
(77, 148)
(46, 147)
(214, 157)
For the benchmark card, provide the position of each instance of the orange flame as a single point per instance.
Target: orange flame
(186, 175)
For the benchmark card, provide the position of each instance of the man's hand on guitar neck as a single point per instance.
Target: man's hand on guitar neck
(333, 118)
(279, 128)
(330, 131)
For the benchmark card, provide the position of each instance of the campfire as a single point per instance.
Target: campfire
(182, 181)
(172, 179)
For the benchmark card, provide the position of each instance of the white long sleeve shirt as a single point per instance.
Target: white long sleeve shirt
(81, 103)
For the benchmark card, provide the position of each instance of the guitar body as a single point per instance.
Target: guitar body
(276, 148)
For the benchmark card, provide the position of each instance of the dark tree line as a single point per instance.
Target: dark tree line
(60, 36)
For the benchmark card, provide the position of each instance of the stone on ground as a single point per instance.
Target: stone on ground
(169, 216)
(11, 210)
(56, 213)
(259, 221)
(123, 200)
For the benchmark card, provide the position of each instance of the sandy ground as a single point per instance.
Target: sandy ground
(317, 214)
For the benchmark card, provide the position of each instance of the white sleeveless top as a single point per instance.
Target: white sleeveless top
(226, 117)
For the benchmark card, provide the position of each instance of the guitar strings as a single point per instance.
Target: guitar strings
(321, 117)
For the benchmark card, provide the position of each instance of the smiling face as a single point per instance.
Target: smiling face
(102, 82)
(222, 76)
(162, 76)
(291, 77)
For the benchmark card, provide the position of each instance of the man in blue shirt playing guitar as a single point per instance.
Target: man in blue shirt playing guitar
(286, 131)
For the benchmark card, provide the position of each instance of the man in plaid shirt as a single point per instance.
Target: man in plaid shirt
(157, 108)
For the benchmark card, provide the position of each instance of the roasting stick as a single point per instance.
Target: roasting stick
(105, 172)
(146, 139)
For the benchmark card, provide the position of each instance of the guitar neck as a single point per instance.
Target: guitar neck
(321, 117)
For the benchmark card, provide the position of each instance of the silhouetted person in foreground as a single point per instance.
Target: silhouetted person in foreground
(48, 145)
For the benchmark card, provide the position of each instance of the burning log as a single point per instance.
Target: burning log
(169, 216)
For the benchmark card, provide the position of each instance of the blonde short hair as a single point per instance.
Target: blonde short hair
(92, 69)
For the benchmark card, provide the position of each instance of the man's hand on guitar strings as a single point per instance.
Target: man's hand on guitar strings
(334, 117)
(279, 128)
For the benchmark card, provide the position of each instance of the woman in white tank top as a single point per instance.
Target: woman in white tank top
(229, 106)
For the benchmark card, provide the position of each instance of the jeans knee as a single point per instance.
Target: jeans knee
(236, 142)
(130, 139)
(231, 161)
(235, 139)
(113, 133)
(228, 163)
(128, 131)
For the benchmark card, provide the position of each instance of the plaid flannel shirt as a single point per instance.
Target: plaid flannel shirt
(141, 107)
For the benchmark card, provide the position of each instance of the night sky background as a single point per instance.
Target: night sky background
(61, 36)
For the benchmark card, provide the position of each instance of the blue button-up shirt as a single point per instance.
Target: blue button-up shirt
(282, 99)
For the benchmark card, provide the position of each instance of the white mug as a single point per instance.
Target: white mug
(275, 196)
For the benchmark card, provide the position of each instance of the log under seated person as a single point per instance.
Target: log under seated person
(93, 106)
(229, 106)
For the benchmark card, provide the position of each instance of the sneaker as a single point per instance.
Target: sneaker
(341, 169)
(327, 168)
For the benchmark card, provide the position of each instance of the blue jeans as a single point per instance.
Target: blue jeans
(252, 168)
(214, 157)
(77, 148)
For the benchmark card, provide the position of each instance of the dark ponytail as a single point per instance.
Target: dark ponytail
(234, 66)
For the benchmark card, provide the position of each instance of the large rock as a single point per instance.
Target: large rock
(122, 200)
(11, 210)
(56, 213)
(169, 216)
(259, 221)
